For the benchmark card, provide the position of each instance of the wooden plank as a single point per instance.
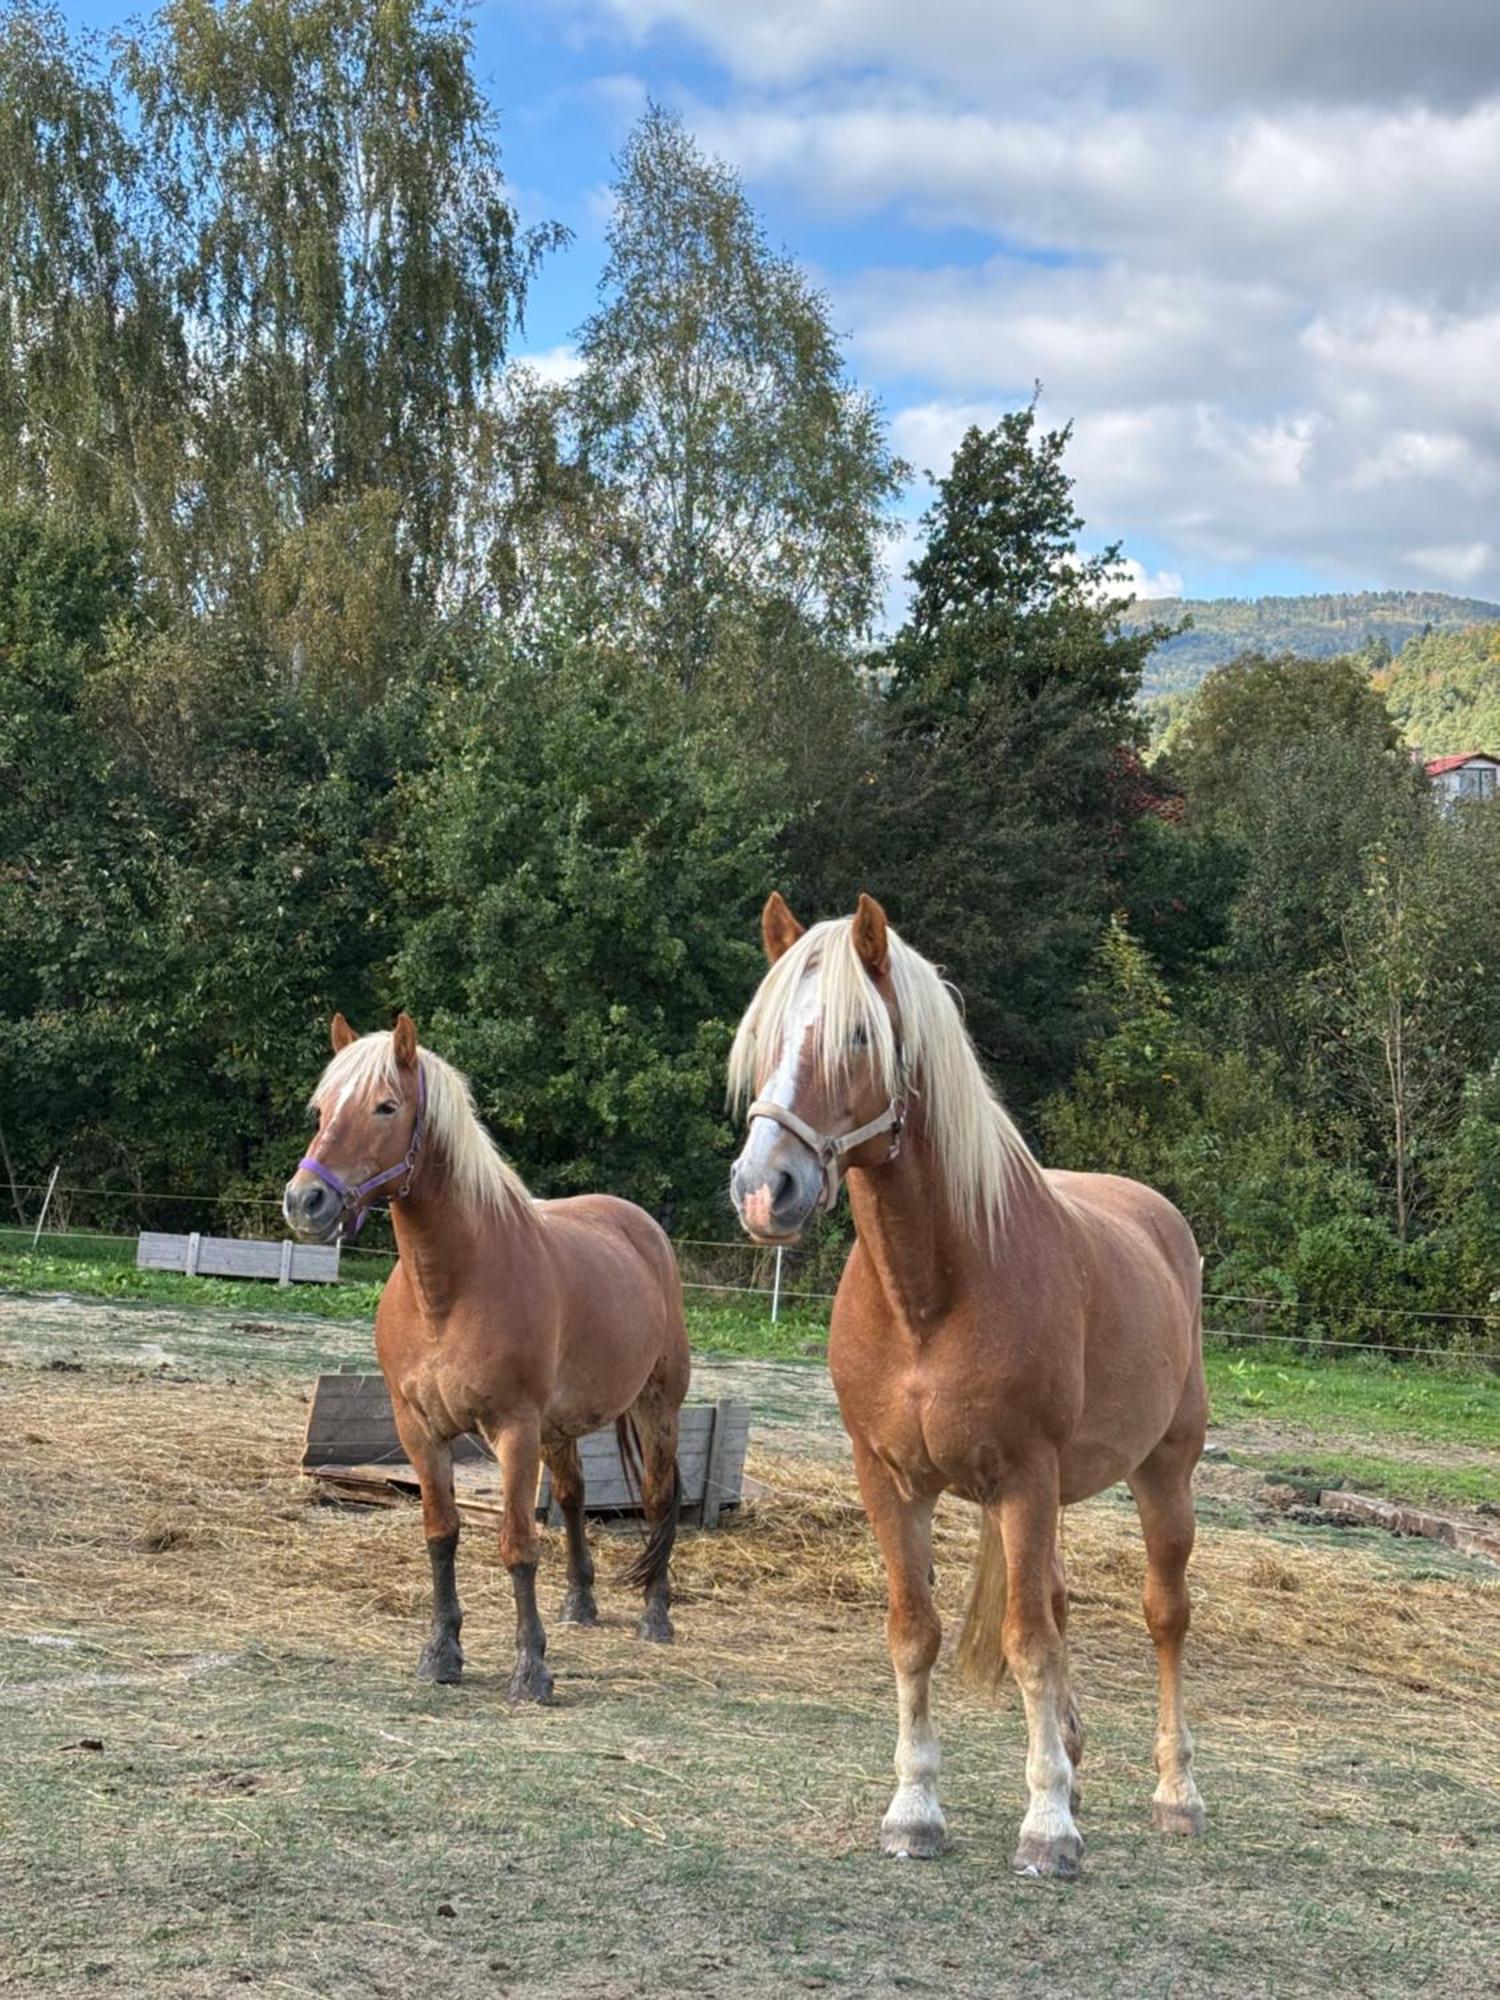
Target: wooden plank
(350, 1425)
(237, 1257)
(1399, 1519)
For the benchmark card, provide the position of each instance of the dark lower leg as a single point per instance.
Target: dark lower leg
(443, 1657)
(531, 1681)
(579, 1606)
(518, 1453)
(661, 1497)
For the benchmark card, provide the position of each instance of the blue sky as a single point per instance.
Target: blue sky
(1249, 249)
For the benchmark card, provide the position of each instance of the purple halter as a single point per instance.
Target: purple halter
(355, 1199)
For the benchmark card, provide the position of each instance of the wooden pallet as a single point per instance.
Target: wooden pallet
(201, 1256)
(352, 1450)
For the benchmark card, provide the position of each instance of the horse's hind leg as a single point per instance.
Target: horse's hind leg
(579, 1607)
(654, 1417)
(518, 1449)
(1163, 1495)
(442, 1658)
(1072, 1721)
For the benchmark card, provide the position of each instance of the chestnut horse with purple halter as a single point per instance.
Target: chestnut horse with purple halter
(528, 1322)
(1019, 1337)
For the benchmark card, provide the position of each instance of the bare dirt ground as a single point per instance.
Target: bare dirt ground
(219, 1776)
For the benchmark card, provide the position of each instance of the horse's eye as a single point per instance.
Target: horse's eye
(859, 1039)
(388, 1109)
(314, 1119)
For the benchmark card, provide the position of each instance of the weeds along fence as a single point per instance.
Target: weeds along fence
(100, 1225)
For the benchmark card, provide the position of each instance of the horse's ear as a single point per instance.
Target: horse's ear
(779, 929)
(404, 1040)
(340, 1033)
(870, 933)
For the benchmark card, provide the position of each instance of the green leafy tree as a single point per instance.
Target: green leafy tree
(1404, 1006)
(713, 397)
(1259, 709)
(264, 265)
(93, 387)
(1128, 1100)
(1443, 688)
(578, 886)
(997, 825)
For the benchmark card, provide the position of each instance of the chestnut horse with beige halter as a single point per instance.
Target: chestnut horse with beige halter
(1019, 1337)
(528, 1322)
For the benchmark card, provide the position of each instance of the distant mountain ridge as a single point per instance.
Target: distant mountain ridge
(1315, 626)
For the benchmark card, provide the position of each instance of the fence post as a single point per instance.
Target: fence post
(46, 1204)
(776, 1289)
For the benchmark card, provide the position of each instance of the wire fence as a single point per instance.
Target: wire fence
(806, 1275)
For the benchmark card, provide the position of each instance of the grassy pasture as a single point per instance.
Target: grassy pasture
(275, 1805)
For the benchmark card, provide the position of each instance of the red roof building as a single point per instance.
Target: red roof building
(1473, 774)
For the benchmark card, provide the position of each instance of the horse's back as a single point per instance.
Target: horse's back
(617, 1275)
(1121, 1216)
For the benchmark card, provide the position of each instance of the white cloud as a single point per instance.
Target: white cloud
(1313, 196)
(1249, 248)
(1143, 584)
(556, 366)
(1328, 50)
(1463, 563)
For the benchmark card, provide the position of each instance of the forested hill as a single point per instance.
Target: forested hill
(1315, 627)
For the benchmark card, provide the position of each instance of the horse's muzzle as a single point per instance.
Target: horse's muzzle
(774, 1202)
(312, 1210)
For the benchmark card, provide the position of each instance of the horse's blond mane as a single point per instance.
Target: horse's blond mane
(481, 1180)
(976, 1142)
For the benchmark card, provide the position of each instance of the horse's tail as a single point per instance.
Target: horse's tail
(629, 1440)
(980, 1657)
(650, 1566)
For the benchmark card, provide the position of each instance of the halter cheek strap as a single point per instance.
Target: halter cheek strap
(832, 1149)
(354, 1198)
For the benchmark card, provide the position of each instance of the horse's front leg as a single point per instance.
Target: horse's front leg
(913, 1826)
(442, 1658)
(1034, 1648)
(518, 1449)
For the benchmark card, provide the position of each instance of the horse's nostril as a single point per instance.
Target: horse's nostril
(783, 1190)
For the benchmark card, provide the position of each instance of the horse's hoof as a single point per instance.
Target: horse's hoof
(657, 1627)
(579, 1608)
(920, 1840)
(1059, 1860)
(442, 1660)
(530, 1682)
(1189, 1819)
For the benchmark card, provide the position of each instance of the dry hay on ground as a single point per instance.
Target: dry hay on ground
(174, 1510)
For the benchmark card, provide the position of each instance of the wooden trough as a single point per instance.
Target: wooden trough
(353, 1452)
(200, 1256)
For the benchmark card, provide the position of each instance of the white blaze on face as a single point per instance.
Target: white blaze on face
(779, 1088)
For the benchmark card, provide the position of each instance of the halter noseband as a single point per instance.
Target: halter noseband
(831, 1149)
(354, 1200)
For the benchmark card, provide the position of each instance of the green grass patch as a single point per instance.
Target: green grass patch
(1424, 1485)
(1442, 1403)
(110, 1277)
(719, 1324)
